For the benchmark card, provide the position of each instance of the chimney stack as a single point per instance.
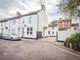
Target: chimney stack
(43, 7)
(18, 14)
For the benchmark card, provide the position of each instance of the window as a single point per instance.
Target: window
(31, 29)
(52, 32)
(23, 21)
(30, 19)
(13, 31)
(1, 25)
(27, 30)
(48, 32)
(13, 22)
(52, 27)
(6, 28)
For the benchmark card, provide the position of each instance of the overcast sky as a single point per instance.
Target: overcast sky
(9, 8)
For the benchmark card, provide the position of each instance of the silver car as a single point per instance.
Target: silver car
(11, 37)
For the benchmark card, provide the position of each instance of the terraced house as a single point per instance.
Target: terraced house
(30, 25)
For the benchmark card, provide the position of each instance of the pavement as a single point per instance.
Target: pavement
(28, 49)
(59, 44)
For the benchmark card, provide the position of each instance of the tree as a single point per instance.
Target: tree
(70, 7)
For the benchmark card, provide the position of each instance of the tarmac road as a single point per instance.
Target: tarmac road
(33, 50)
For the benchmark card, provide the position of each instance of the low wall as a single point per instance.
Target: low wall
(62, 35)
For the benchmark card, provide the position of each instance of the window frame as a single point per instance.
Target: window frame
(30, 18)
(28, 31)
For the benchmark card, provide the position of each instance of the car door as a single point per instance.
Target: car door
(7, 37)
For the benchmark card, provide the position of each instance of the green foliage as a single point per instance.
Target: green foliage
(70, 7)
(74, 38)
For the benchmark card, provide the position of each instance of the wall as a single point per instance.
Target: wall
(52, 31)
(62, 35)
(0, 28)
(43, 22)
(33, 24)
(13, 28)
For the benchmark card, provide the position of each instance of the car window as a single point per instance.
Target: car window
(6, 35)
(14, 34)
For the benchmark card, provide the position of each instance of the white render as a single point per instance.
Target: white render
(38, 22)
(62, 35)
(43, 22)
(53, 31)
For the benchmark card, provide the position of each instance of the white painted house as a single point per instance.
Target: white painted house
(31, 25)
(52, 29)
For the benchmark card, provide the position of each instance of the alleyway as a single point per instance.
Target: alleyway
(33, 50)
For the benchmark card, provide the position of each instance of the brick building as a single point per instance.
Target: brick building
(63, 24)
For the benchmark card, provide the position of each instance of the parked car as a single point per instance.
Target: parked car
(1, 36)
(11, 37)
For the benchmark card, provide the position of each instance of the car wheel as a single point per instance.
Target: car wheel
(12, 39)
(3, 38)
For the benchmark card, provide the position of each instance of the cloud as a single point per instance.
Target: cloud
(10, 7)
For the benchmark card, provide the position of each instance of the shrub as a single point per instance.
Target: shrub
(74, 39)
(67, 41)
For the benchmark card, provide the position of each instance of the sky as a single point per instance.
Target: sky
(8, 8)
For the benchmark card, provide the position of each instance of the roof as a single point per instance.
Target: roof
(67, 20)
(52, 25)
(31, 13)
(17, 17)
(53, 22)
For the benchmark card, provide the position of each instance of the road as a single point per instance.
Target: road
(33, 50)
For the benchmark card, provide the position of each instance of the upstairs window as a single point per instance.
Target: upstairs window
(48, 32)
(52, 32)
(1, 25)
(30, 18)
(23, 21)
(52, 27)
(13, 22)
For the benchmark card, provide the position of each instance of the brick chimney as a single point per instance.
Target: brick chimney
(59, 24)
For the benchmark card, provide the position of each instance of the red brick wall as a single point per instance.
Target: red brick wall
(64, 24)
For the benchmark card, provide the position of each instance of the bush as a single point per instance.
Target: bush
(74, 39)
(67, 41)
